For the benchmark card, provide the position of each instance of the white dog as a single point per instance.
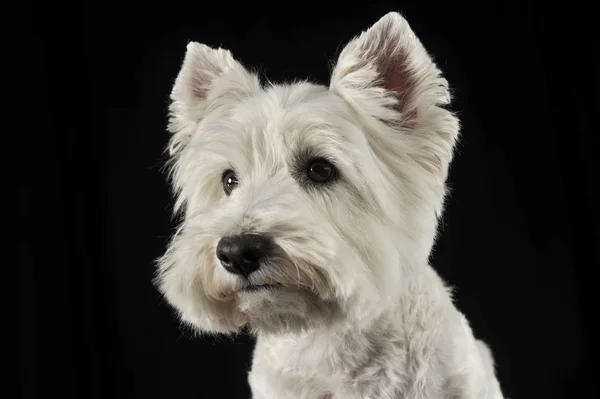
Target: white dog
(309, 216)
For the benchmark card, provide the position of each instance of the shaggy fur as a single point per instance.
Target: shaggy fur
(357, 311)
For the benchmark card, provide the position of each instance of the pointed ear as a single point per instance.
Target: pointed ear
(387, 72)
(209, 78)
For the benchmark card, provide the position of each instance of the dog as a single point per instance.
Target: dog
(308, 214)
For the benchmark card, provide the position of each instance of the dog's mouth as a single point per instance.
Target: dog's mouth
(260, 287)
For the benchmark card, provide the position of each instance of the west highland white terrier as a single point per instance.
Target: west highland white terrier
(309, 214)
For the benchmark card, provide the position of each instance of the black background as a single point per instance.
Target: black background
(518, 241)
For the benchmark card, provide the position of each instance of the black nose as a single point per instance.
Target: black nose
(242, 254)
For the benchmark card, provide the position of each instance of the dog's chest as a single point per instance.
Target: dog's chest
(380, 368)
(396, 362)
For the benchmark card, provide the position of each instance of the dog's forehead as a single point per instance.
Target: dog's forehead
(300, 114)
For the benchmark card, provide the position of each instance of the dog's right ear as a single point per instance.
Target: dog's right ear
(209, 79)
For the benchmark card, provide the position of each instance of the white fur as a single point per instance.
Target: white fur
(361, 313)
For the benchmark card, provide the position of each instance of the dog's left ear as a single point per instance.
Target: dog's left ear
(209, 79)
(387, 72)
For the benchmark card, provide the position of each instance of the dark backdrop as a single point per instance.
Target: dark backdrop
(518, 241)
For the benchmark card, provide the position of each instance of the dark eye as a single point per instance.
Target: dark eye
(230, 181)
(320, 171)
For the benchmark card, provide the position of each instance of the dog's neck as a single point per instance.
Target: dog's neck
(330, 348)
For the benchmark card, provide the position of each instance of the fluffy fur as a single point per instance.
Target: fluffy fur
(359, 313)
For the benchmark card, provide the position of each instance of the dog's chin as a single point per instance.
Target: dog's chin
(276, 309)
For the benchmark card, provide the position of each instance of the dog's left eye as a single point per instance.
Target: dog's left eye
(230, 181)
(320, 171)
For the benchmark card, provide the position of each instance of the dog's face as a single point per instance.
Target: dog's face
(305, 204)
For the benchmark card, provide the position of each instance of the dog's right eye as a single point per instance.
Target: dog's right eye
(229, 180)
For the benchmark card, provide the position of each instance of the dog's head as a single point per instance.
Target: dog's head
(305, 204)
